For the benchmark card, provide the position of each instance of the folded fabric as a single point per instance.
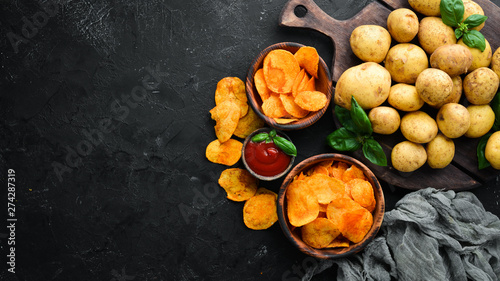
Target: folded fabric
(429, 235)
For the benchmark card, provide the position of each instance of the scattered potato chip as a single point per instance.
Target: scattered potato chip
(260, 84)
(238, 183)
(273, 107)
(260, 211)
(302, 205)
(308, 58)
(353, 172)
(280, 70)
(226, 116)
(248, 124)
(226, 153)
(319, 233)
(355, 224)
(311, 100)
(291, 107)
(362, 193)
(232, 88)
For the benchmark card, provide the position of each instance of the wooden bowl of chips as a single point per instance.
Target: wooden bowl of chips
(289, 86)
(330, 206)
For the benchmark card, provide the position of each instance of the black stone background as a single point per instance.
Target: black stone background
(104, 118)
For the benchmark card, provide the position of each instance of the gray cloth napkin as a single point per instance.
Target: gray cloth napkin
(429, 235)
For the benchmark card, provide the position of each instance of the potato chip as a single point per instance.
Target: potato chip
(355, 224)
(232, 88)
(308, 58)
(238, 183)
(319, 233)
(298, 79)
(226, 116)
(285, 120)
(337, 169)
(260, 211)
(291, 107)
(302, 205)
(318, 169)
(325, 188)
(248, 124)
(353, 172)
(301, 85)
(260, 85)
(362, 193)
(336, 208)
(339, 242)
(280, 70)
(310, 85)
(311, 100)
(227, 153)
(273, 107)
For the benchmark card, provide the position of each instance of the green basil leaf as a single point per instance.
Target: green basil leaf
(458, 33)
(272, 133)
(475, 20)
(475, 39)
(452, 12)
(481, 158)
(260, 137)
(374, 153)
(269, 139)
(343, 140)
(344, 117)
(360, 119)
(495, 105)
(285, 145)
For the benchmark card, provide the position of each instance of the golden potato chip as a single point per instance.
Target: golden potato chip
(318, 169)
(302, 205)
(353, 172)
(322, 208)
(355, 224)
(226, 116)
(319, 233)
(280, 70)
(297, 81)
(336, 208)
(308, 58)
(339, 242)
(310, 85)
(226, 153)
(260, 85)
(260, 211)
(325, 187)
(362, 193)
(285, 120)
(301, 86)
(232, 88)
(248, 124)
(273, 107)
(238, 183)
(311, 100)
(338, 169)
(291, 107)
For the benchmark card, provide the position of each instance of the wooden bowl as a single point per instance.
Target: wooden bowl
(243, 158)
(328, 253)
(323, 84)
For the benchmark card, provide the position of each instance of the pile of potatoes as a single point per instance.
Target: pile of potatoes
(415, 68)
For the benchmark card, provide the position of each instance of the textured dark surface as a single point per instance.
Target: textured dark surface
(104, 118)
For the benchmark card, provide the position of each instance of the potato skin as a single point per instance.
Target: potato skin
(385, 120)
(370, 43)
(482, 118)
(405, 97)
(433, 33)
(479, 59)
(368, 82)
(426, 7)
(402, 24)
(418, 127)
(471, 8)
(408, 156)
(434, 86)
(453, 120)
(405, 61)
(495, 62)
(481, 85)
(454, 59)
(440, 151)
(492, 150)
(456, 93)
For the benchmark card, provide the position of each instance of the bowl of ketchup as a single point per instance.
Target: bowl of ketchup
(264, 159)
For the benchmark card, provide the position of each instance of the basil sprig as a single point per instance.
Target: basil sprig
(480, 150)
(355, 133)
(282, 143)
(452, 14)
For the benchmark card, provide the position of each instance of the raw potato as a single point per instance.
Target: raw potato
(456, 93)
(492, 150)
(433, 33)
(426, 7)
(434, 86)
(453, 59)
(405, 97)
(471, 8)
(495, 62)
(453, 120)
(482, 118)
(408, 156)
(479, 59)
(440, 151)
(480, 86)
(418, 127)
(385, 120)
(405, 61)
(402, 24)
(368, 82)
(370, 43)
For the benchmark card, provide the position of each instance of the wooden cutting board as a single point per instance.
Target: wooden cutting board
(463, 173)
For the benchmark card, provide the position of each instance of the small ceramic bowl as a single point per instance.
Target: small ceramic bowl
(265, 178)
(323, 84)
(327, 253)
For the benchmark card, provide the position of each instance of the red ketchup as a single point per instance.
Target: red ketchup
(266, 159)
